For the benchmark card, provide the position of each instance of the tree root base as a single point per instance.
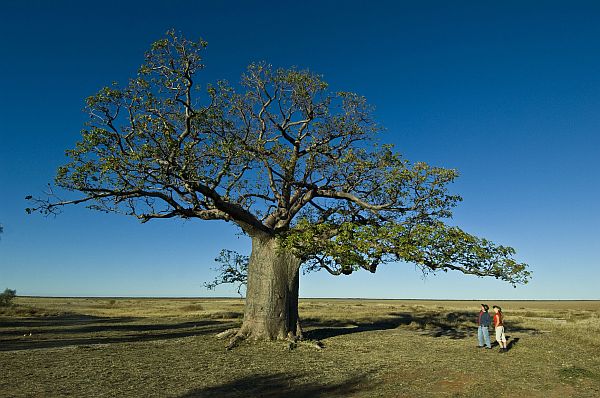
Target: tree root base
(235, 341)
(237, 335)
(292, 345)
(227, 333)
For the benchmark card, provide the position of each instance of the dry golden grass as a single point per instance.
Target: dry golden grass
(373, 348)
(134, 307)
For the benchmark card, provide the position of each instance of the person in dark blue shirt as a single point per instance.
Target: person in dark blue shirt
(483, 324)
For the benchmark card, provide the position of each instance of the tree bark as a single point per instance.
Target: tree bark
(272, 293)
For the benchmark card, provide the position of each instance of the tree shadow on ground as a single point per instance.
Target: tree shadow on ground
(97, 325)
(68, 319)
(282, 385)
(84, 330)
(453, 325)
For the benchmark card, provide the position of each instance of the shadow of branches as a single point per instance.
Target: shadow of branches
(83, 330)
(281, 385)
(453, 325)
(69, 319)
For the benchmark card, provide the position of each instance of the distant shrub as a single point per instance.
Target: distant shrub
(192, 307)
(7, 297)
(222, 315)
(105, 304)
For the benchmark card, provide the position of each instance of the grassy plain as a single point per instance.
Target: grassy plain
(127, 347)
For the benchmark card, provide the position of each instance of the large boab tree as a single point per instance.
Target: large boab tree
(295, 166)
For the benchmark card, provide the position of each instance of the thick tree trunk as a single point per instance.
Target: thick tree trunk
(272, 293)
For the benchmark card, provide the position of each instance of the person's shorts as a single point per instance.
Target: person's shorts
(500, 333)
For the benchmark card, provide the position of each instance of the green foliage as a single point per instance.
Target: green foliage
(7, 297)
(279, 155)
(432, 247)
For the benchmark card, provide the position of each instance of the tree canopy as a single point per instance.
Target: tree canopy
(280, 155)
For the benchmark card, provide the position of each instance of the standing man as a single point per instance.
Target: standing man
(483, 324)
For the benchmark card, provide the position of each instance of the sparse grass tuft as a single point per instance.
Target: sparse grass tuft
(223, 315)
(572, 374)
(192, 308)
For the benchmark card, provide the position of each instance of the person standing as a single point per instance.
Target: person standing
(499, 326)
(483, 324)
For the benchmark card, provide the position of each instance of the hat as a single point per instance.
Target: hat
(485, 307)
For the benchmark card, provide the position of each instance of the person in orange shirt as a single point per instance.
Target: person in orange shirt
(499, 326)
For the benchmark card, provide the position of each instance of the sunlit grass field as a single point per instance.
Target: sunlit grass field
(127, 347)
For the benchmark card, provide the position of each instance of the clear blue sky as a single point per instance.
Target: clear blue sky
(506, 92)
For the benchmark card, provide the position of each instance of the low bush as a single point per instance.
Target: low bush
(7, 297)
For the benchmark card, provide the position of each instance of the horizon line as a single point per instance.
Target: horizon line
(302, 298)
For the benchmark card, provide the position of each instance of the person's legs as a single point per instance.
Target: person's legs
(486, 337)
(501, 338)
(499, 335)
(480, 336)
